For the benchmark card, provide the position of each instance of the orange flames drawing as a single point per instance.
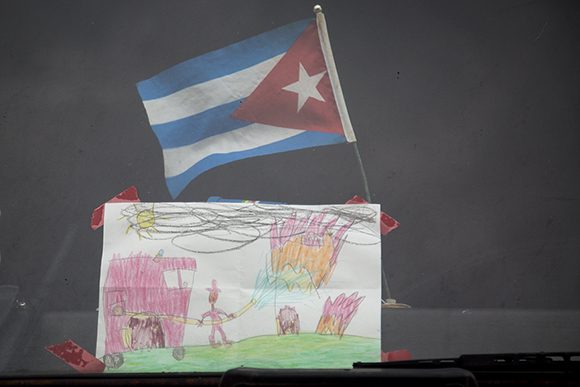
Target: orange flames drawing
(309, 245)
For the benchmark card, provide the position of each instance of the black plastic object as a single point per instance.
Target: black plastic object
(530, 369)
(254, 377)
(540, 361)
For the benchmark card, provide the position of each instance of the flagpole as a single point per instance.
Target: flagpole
(338, 95)
(333, 74)
(347, 126)
(362, 172)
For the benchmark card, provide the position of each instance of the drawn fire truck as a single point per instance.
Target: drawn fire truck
(146, 300)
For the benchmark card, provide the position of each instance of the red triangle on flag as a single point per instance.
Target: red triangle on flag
(297, 92)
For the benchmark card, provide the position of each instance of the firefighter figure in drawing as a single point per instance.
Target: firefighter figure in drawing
(214, 315)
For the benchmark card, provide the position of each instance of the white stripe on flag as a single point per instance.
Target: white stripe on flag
(203, 96)
(179, 160)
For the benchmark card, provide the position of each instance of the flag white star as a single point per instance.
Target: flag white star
(305, 87)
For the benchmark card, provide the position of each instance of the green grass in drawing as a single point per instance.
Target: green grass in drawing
(306, 350)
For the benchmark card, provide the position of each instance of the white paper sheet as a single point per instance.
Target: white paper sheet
(213, 286)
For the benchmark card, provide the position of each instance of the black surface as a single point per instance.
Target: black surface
(467, 115)
(256, 377)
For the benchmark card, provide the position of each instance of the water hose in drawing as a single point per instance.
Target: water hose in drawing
(189, 320)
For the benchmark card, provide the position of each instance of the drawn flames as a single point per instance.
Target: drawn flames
(337, 314)
(309, 245)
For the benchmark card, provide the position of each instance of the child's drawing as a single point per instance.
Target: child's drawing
(278, 280)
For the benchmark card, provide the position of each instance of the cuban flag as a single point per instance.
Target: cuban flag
(271, 93)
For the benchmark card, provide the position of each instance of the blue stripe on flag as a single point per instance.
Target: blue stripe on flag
(307, 139)
(222, 62)
(195, 128)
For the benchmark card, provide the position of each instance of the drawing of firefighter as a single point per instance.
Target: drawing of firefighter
(214, 315)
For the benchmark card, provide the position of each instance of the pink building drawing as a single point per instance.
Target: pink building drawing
(141, 292)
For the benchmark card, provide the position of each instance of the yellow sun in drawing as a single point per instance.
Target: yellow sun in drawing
(146, 219)
(144, 222)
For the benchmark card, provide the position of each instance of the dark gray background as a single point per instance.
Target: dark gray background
(467, 115)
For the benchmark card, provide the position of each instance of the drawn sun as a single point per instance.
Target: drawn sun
(143, 222)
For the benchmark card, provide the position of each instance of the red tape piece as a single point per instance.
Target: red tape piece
(76, 357)
(388, 223)
(398, 355)
(128, 195)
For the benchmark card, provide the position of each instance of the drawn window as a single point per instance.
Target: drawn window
(187, 278)
(178, 279)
